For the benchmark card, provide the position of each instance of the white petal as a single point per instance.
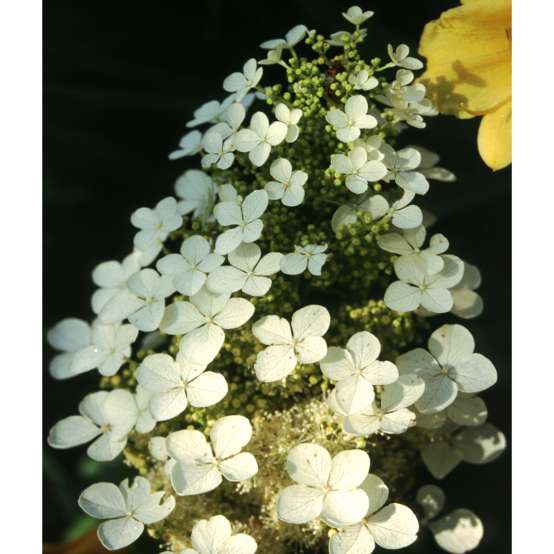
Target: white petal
(237, 312)
(402, 297)
(344, 507)
(228, 241)
(209, 536)
(239, 468)
(363, 424)
(376, 491)
(309, 464)
(337, 364)
(188, 445)
(105, 449)
(458, 532)
(364, 348)
(354, 394)
(272, 329)
(181, 317)
(102, 501)
(403, 393)
(312, 320)
(395, 526)
(294, 264)
(158, 373)
(119, 533)
(275, 363)
(349, 469)
(70, 335)
(474, 374)
(257, 286)
(191, 479)
(229, 434)
(169, 404)
(310, 350)
(148, 317)
(398, 422)
(228, 213)
(355, 539)
(299, 504)
(439, 393)
(451, 344)
(254, 205)
(239, 544)
(207, 389)
(72, 431)
(468, 411)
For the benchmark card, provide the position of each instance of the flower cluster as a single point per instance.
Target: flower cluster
(290, 277)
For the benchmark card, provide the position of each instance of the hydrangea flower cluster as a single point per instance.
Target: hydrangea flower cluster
(265, 338)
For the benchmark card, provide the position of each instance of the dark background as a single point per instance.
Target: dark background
(121, 80)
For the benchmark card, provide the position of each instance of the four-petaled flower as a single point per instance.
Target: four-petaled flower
(358, 170)
(450, 365)
(356, 15)
(401, 166)
(240, 83)
(204, 319)
(126, 508)
(197, 192)
(349, 122)
(286, 347)
(260, 137)
(400, 56)
(105, 416)
(288, 185)
(176, 383)
(290, 118)
(248, 272)
(201, 466)
(189, 269)
(327, 488)
(244, 219)
(155, 226)
(356, 370)
(310, 257)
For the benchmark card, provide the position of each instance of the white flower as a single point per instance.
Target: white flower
(416, 288)
(467, 303)
(111, 278)
(348, 123)
(401, 166)
(214, 536)
(127, 510)
(347, 214)
(197, 192)
(450, 366)
(84, 348)
(143, 301)
(389, 415)
(157, 448)
(244, 219)
(292, 38)
(358, 169)
(219, 151)
(290, 118)
(260, 137)
(408, 244)
(231, 121)
(248, 271)
(288, 185)
(474, 445)
(392, 527)
(201, 467)
(272, 57)
(204, 319)
(401, 58)
(189, 269)
(356, 15)
(145, 420)
(356, 369)
(240, 83)
(107, 417)
(309, 257)
(285, 348)
(189, 145)
(176, 383)
(327, 488)
(363, 80)
(155, 226)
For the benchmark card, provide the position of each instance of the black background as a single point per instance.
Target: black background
(121, 80)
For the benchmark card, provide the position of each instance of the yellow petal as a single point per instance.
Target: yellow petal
(495, 137)
(468, 53)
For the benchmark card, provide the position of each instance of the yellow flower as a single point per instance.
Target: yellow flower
(469, 71)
